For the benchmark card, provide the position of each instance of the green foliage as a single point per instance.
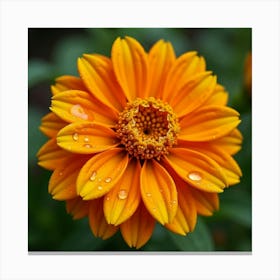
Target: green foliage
(38, 71)
(199, 240)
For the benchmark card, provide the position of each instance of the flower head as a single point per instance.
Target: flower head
(139, 138)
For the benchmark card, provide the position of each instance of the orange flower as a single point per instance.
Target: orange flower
(140, 138)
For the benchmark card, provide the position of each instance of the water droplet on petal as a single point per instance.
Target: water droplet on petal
(87, 146)
(78, 111)
(75, 136)
(93, 176)
(174, 202)
(108, 198)
(100, 187)
(195, 176)
(108, 180)
(122, 194)
(148, 194)
(60, 173)
(86, 139)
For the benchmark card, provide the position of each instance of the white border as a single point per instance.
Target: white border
(17, 16)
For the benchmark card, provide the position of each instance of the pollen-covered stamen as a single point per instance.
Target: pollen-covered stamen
(147, 128)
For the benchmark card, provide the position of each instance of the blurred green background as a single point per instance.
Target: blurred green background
(54, 52)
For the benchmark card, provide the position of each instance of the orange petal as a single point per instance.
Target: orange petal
(161, 57)
(193, 94)
(86, 138)
(196, 169)
(97, 221)
(229, 166)
(97, 74)
(186, 217)
(130, 63)
(206, 203)
(158, 192)
(183, 69)
(219, 97)
(231, 143)
(67, 82)
(76, 105)
(208, 123)
(51, 124)
(77, 207)
(101, 173)
(139, 228)
(50, 155)
(122, 201)
(62, 184)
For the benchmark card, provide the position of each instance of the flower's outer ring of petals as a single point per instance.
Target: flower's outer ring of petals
(130, 62)
(101, 173)
(86, 138)
(206, 203)
(76, 105)
(137, 230)
(98, 75)
(197, 169)
(51, 124)
(219, 97)
(122, 201)
(158, 192)
(50, 155)
(227, 163)
(231, 143)
(161, 57)
(183, 69)
(208, 123)
(67, 82)
(77, 207)
(186, 216)
(193, 94)
(99, 226)
(62, 184)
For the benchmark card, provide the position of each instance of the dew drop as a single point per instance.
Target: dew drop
(108, 198)
(78, 111)
(195, 176)
(174, 202)
(108, 180)
(148, 194)
(86, 139)
(60, 173)
(99, 187)
(75, 136)
(87, 146)
(93, 176)
(122, 194)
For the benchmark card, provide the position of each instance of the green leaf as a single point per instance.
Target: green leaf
(35, 138)
(38, 71)
(66, 53)
(81, 238)
(238, 213)
(199, 240)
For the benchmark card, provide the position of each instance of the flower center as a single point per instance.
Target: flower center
(147, 128)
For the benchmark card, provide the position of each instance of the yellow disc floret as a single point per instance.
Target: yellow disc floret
(147, 128)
